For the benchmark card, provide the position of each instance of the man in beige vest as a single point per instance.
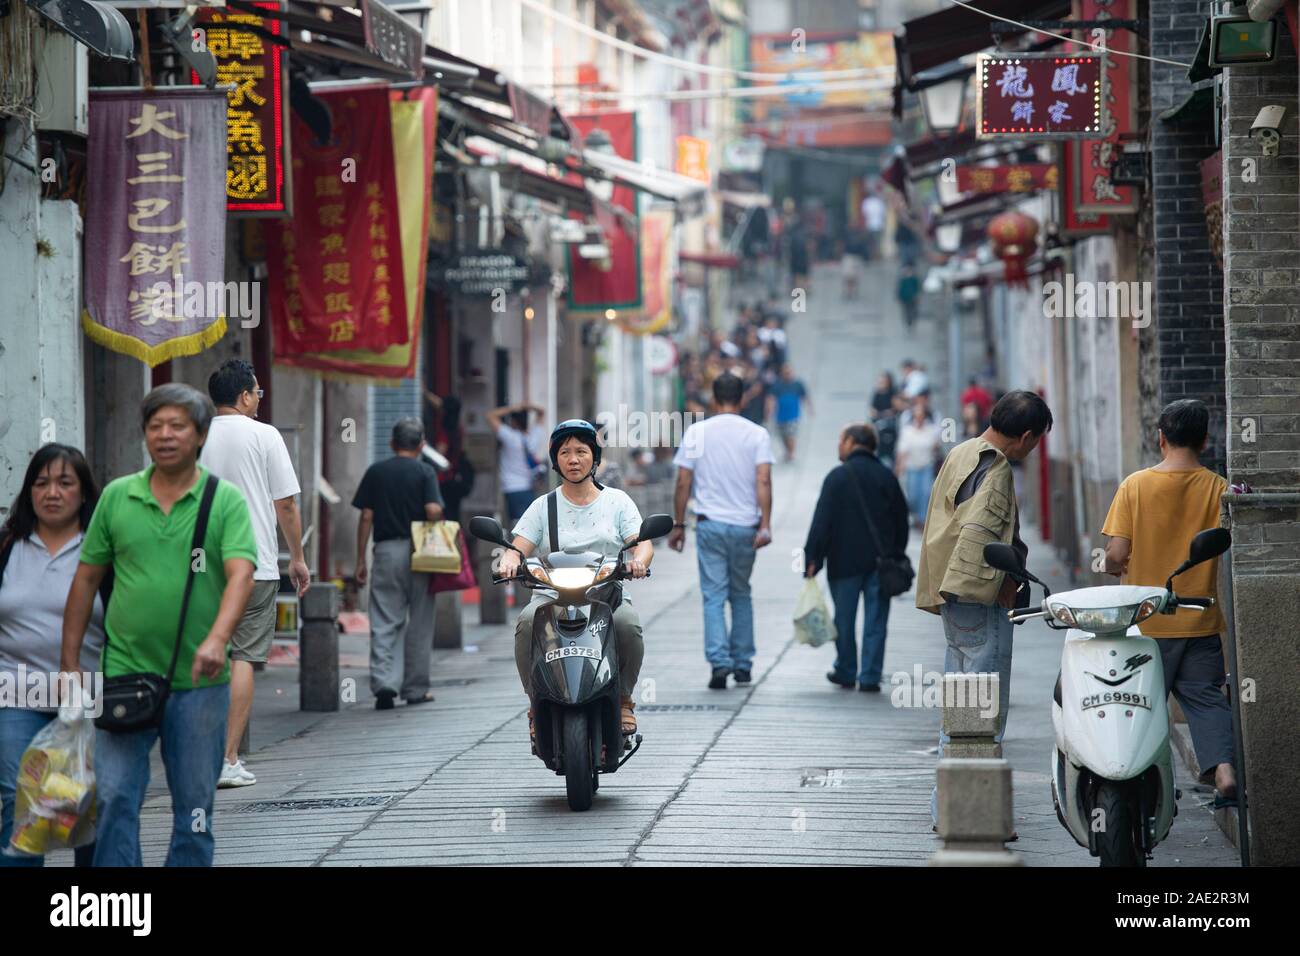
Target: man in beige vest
(973, 503)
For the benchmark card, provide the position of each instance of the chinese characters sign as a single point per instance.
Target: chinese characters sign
(1093, 189)
(393, 38)
(1039, 96)
(336, 276)
(256, 145)
(618, 286)
(1027, 177)
(156, 222)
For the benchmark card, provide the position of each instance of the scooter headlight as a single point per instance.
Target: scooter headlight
(606, 569)
(1062, 614)
(1103, 618)
(539, 572)
(572, 578)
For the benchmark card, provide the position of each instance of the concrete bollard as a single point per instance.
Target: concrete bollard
(975, 813)
(970, 714)
(447, 623)
(318, 649)
(491, 597)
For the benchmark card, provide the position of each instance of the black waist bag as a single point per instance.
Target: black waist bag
(136, 701)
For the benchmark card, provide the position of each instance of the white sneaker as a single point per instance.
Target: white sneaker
(235, 775)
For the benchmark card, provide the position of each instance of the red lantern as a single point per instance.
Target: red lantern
(1015, 237)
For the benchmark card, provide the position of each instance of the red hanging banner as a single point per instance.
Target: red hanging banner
(1022, 178)
(591, 287)
(1094, 191)
(336, 279)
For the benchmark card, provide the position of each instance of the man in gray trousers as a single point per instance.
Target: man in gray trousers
(393, 493)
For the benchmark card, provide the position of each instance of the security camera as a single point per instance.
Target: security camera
(1268, 128)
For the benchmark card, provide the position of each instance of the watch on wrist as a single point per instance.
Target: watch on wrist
(679, 524)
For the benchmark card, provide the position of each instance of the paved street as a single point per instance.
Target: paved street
(790, 771)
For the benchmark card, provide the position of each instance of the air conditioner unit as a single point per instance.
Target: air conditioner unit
(62, 77)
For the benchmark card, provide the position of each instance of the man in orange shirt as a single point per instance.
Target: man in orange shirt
(1155, 515)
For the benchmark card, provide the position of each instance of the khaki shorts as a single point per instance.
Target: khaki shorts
(252, 638)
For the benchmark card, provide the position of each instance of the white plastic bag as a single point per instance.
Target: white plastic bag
(813, 624)
(55, 803)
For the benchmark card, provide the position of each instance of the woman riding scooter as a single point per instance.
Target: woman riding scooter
(591, 518)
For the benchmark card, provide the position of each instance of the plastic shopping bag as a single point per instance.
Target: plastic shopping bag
(435, 547)
(55, 804)
(813, 624)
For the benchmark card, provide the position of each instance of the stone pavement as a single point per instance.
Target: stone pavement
(789, 771)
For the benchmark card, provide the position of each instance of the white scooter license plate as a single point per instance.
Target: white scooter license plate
(558, 652)
(1115, 697)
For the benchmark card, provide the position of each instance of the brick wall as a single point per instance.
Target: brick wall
(1262, 265)
(1188, 322)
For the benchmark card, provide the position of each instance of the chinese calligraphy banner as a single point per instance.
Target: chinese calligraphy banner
(1093, 189)
(656, 311)
(1026, 177)
(155, 245)
(1038, 96)
(592, 288)
(256, 142)
(414, 118)
(336, 276)
(1075, 223)
(693, 157)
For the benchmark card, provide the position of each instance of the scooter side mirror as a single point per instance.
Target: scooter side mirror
(488, 529)
(1003, 557)
(655, 526)
(1209, 544)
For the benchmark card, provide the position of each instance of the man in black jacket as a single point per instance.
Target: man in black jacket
(841, 538)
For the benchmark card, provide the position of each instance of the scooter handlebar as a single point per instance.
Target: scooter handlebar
(1202, 603)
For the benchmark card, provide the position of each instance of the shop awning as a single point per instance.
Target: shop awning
(951, 33)
(746, 200)
(657, 182)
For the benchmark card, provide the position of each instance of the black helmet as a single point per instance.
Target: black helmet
(583, 431)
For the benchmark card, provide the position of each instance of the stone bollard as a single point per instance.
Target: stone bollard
(973, 782)
(447, 629)
(318, 649)
(970, 714)
(975, 813)
(491, 597)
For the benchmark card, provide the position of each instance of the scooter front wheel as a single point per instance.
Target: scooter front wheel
(1117, 840)
(578, 772)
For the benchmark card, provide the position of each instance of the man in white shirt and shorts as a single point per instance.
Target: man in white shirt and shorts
(252, 455)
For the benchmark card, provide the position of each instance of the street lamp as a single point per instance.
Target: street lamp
(943, 99)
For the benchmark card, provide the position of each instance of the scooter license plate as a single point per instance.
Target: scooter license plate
(1115, 697)
(557, 653)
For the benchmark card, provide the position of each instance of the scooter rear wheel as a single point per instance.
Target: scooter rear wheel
(1117, 841)
(578, 770)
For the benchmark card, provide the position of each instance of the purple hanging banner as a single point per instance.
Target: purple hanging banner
(155, 244)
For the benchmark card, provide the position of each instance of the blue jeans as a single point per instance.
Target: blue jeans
(979, 642)
(17, 728)
(193, 735)
(917, 483)
(726, 557)
(875, 618)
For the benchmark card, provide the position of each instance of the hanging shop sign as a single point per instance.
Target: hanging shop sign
(1075, 224)
(155, 223)
(656, 312)
(1095, 191)
(393, 38)
(613, 283)
(693, 157)
(336, 275)
(257, 141)
(1212, 196)
(414, 118)
(1038, 96)
(1023, 178)
(485, 272)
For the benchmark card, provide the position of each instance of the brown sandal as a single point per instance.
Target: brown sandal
(628, 718)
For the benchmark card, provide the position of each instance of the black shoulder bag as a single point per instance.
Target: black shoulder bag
(136, 701)
(895, 571)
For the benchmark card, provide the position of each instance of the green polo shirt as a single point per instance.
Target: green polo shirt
(150, 555)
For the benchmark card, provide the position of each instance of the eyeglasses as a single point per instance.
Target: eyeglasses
(258, 392)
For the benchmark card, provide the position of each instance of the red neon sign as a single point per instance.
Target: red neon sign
(1043, 96)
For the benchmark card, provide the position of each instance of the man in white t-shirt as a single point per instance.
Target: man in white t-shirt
(518, 463)
(726, 460)
(252, 455)
(873, 219)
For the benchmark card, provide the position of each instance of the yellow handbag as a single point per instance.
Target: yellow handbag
(435, 547)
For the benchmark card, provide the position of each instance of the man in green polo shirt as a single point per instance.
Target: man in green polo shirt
(143, 527)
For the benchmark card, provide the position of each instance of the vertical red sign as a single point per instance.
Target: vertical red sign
(1093, 190)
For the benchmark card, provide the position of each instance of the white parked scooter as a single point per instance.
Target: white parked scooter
(1112, 768)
